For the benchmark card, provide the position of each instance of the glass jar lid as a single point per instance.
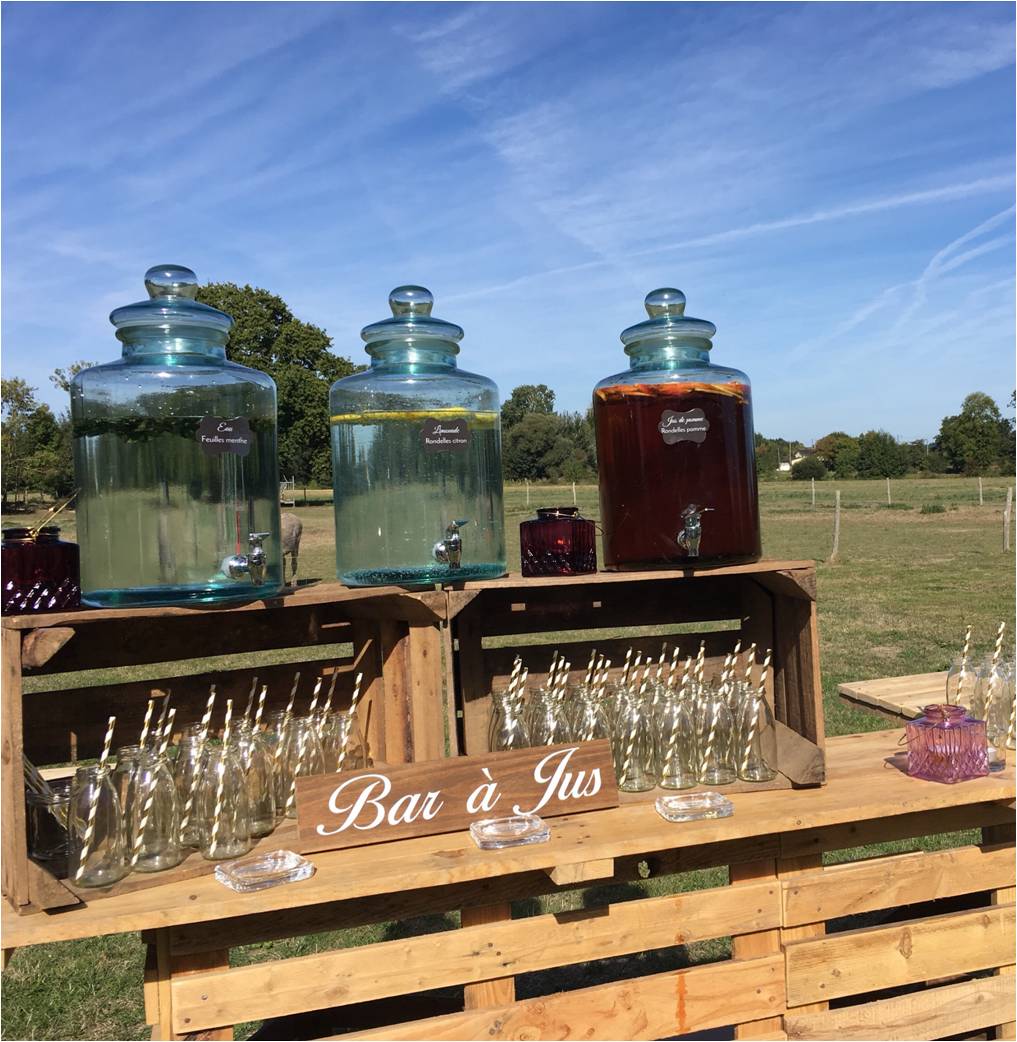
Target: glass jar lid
(668, 322)
(411, 322)
(171, 290)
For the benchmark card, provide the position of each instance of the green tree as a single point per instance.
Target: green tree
(976, 439)
(534, 446)
(62, 377)
(879, 456)
(809, 467)
(766, 457)
(839, 451)
(524, 400)
(298, 356)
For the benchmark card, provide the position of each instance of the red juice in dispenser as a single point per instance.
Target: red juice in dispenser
(675, 448)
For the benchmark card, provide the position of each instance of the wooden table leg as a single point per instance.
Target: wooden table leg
(161, 967)
(788, 868)
(753, 945)
(1002, 896)
(488, 993)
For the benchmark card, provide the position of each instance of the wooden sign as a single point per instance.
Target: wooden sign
(377, 805)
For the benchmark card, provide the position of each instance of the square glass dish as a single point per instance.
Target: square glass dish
(261, 871)
(694, 806)
(517, 830)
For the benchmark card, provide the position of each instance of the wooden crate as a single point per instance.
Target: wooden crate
(396, 640)
(910, 971)
(770, 603)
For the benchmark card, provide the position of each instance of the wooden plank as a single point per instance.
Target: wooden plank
(762, 943)
(13, 838)
(862, 795)
(896, 697)
(39, 646)
(798, 689)
(1004, 834)
(469, 955)
(368, 660)
(930, 1014)
(381, 805)
(488, 993)
(425, 692)
(790, 869)
(46, 891)
(658, 1006)
(887, 882)
(857, 961)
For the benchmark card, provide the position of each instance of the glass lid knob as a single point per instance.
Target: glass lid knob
(411, 300)
(171, 280)
(665, 302)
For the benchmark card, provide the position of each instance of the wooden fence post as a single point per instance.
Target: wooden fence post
(981, 501)
(1006, 518)
(889, 501)
(813, 493)
(836, 527)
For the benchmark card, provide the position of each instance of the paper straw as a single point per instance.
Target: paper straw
(589, 668)
(964, 664)
(630, 746)
(206, 717)
(996, 652)
(660, 662)
(673, 668)
(356, 693)
(701, 661)
(750, 661)
(165, 711)
(625, 668)
(293, 694)
(346, 723)
(148, 722)
(296, 770)
(93, 806)
(750, 735)
(262, 695)
(312, 708)
(708, 748)
(220, 784)
(327, 707)
(250, 699)
(146, 810)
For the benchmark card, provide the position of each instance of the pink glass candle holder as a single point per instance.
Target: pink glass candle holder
(40, 573)
(558, 542)
(945, 744)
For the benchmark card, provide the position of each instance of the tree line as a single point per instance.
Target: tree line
(539, 442)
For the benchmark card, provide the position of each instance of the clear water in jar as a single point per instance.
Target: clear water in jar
(395, 494)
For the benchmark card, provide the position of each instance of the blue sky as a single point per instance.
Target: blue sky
(832, 185)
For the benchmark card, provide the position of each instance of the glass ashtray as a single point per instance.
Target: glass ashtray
(515, 831)
(261, 871)
(694, 806)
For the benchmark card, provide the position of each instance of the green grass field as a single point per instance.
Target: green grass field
(896, 602)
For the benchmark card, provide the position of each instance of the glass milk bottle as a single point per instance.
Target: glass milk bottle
(675, 448)
(416, 457)
(175, 459)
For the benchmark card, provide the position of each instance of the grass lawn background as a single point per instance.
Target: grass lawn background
(906, 584)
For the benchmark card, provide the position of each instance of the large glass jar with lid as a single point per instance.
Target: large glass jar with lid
(175, 459)
(416, 457)
(675, 448)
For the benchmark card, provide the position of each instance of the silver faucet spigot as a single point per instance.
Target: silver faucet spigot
(450, 549)
(688, 538)
(252, 564)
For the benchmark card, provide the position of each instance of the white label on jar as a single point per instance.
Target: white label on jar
(218, 435)
(445, 435)
(683, 426)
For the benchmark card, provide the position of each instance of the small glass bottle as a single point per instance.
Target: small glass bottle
(223, 808)
(961, 678)
(716, 732)
(633, 747)
(756, 747)
(125, 776)
(188, 769)
(98, 838)
(945, 744)
(507, 729)
(302, 755)
(545, 719)
(47, 821)
(258, 761)
(342, 743)
(588, 719)
(992, 701)
(558, 542)
(155, 819)
(675, 734)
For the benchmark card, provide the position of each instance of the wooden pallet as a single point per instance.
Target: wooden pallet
(897, 698)
(919, 972)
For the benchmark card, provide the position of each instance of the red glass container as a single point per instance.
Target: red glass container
(558, 542)
(945, 744)
(39, 574)
(675, 448)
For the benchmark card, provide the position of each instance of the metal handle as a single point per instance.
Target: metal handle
(692, 532)
(450, 549)
(251, 564)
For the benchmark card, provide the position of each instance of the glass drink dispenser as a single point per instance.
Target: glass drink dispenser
(175, 460)
(416, 457)
(675, 448)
